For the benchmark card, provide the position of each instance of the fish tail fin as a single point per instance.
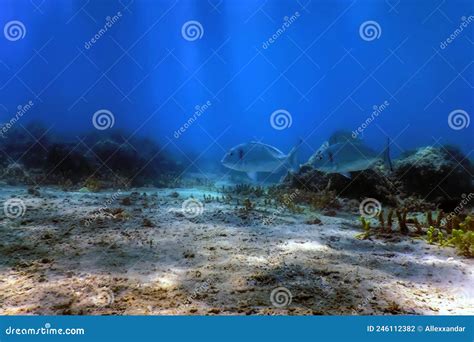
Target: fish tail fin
(386, 156)
(292, 159)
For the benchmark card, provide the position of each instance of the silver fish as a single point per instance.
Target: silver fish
(254, 157)
(348, 156)
(340, 136)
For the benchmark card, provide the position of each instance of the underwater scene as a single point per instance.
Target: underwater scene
(224, 157)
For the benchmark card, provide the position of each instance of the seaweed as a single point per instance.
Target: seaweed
(366, 227)
(459, 235)
(381, 220)
(419, 228)
(402, 220)
(463, 241)
(93, 185)
(245, 190)
(287, 200)
(430, 234)
(248, 206)
(390, 220)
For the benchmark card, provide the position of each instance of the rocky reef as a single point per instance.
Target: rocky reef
(438, 175)
(368, 183)
(107, 159)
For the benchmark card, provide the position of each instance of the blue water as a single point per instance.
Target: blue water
(319, 69)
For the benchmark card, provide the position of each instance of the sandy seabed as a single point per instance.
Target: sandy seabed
(144, 256)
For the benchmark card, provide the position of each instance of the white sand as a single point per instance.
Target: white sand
(221, 262)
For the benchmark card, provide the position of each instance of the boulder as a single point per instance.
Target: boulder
(438, 174)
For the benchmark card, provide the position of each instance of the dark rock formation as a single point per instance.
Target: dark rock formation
(33, 155)
(438, 174)
(434, 175)
(368, 183)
